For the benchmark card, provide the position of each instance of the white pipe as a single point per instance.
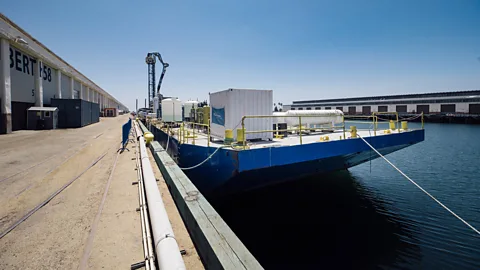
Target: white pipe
(151, 257)
(143, 220)
(148, 246)
(166, 247)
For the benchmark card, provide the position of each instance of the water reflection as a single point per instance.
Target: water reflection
(326, 221)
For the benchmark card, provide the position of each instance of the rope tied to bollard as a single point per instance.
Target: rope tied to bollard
(422, 189)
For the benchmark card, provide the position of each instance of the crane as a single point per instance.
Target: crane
(151, 60)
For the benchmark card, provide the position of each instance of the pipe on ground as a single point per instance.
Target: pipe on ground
(166, 247)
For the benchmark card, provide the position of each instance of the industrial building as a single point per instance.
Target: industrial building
(459, 102)
(21, 87)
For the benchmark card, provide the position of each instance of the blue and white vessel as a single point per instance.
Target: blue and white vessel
(218, 169)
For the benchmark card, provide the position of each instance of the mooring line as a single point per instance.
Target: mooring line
(417, 185)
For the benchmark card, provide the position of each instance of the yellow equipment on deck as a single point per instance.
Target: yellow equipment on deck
(240, 135)
(392, 125)
(353, 131)
(228, 137)
(148, 137)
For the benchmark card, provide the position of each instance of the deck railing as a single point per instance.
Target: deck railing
(183, 133)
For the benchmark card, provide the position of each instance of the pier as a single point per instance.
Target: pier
(76, 205)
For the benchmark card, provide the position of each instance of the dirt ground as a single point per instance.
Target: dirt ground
(34, 164)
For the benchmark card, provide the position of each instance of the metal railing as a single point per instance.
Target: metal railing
(299, 129)
(183, 132)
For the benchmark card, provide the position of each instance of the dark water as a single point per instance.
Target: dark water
(376, 219)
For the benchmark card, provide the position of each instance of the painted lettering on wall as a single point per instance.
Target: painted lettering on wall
(25, 64)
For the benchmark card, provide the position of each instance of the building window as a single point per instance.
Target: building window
(308, 108)
(293, 109)
(318, 108)
(300, 109)
(46, 114)
(328, 108)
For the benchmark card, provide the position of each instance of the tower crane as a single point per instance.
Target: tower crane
(151, 60)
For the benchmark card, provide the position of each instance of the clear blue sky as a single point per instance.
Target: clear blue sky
(300, 49)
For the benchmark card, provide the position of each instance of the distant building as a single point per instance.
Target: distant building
(461, 102)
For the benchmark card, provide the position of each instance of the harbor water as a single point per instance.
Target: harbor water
(371, 217)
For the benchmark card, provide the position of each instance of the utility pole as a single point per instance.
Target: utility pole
(145, 103)
(136, 105)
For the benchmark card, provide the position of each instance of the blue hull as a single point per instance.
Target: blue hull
(230, 171)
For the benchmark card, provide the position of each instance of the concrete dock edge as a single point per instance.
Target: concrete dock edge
(216, 243)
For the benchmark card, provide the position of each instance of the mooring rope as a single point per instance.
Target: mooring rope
(199, 164)
(417, 185)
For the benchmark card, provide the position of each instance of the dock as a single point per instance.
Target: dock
(94, 222)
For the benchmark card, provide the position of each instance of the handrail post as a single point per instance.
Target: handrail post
(193, 139)
(300, 122)
(208, 130)
(343, 120)
(180, 134)
(396, 124)
(422, 120)
(243, 131)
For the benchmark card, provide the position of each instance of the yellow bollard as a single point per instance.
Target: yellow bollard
(148, 137)
(392, 125)
(228, 137)
(404, 125)
(240, 135)
(353, 131)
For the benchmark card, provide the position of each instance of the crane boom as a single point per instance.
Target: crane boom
(151, 60)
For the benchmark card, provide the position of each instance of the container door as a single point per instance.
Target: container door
(352, 110)
(447, 108)
(401, 108)
(383, 108)
(423, 108)
(474, 108)
(366, 110)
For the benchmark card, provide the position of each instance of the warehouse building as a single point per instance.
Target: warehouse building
(21, 87)
(459, 102)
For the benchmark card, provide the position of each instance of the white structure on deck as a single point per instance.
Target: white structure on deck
(460, 102)
(21, 55)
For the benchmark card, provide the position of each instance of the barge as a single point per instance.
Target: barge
(242, 160)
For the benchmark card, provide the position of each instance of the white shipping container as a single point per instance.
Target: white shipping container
(229, 106)
(172, 110)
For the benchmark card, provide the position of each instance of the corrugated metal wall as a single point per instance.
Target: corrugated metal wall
(238, 103)
(75, 113)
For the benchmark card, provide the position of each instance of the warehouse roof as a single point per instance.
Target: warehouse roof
(405, 96)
